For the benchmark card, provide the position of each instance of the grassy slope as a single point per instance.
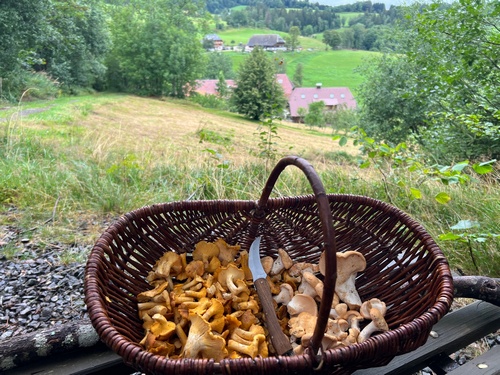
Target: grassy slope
(103, 155)
(331, 68)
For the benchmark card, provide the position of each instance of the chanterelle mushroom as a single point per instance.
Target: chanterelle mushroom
(227, 253)
(302, 324)
(348, 266)
(206, 252)
(285, 294)
(228, 277)
(377, 324)
(202, 343)
(310, 285)
(282, 262)
(170, 264)
(161, 327)
(302, 303)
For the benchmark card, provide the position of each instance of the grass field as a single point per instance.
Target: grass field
(331, 68)
(242, 35)
(346, 16)
(82, 161)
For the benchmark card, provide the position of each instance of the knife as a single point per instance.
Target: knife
(279, 340)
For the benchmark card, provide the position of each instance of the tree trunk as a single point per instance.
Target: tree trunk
(60, 339)
(477, 287)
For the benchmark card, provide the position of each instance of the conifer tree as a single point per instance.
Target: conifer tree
(257, 93)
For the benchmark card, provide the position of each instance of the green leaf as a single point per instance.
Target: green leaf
(343, 141)
(459, 167)
(465, 224)
(366, 164)
(415, 193)
(442, 198)
(385, 148)
(482, 169)
(449, 237)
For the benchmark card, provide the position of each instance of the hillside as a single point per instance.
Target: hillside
(331, 68)
(109, 123)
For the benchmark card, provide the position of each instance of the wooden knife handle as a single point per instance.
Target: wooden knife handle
(279, 340)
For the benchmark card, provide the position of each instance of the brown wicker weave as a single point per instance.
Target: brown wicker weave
(405, 269)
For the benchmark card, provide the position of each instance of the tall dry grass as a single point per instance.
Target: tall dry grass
(67, 172)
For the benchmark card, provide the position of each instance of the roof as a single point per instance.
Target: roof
(209, 86)
(301, 97)
(265, 40)
(285, 83)
(213, 37)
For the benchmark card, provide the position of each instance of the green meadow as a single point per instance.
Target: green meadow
(346, 16)
(331, 68)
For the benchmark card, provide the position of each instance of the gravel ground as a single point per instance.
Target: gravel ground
(38, 291)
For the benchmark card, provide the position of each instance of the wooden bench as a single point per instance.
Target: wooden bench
(455, 331)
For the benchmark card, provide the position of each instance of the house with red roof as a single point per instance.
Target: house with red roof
(333, 97)
(286, 84)
(209, 86)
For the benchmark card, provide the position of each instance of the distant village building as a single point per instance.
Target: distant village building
(269, 42)
(285, 84)
(334, 98)
(209, 86)
(218, 44)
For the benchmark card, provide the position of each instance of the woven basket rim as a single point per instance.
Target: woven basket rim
(135, 355)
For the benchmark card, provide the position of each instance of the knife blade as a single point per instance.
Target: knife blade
(279, 340)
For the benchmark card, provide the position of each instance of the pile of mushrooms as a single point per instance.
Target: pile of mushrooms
(204, 308)
(208, 308)
(299, 288)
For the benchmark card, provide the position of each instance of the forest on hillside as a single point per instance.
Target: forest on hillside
(436, 85)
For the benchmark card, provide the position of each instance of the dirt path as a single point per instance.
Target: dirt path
(22, 113)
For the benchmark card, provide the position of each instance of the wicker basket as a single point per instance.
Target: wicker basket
(405, 269)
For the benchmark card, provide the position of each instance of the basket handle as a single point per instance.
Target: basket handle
(330, 245)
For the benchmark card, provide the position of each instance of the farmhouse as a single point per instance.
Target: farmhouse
(269, 42)
(286, 84)
(216, 40)
(209, 86)
(333, 97)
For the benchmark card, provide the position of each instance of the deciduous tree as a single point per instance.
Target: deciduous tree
(332, 39)
(217, 62)
(155, 48)
(442, 88)
(294, 34)
(315, 116)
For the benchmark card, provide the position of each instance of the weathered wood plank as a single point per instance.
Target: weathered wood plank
(486, 364)
(47, 342)
(98, 360)
(456, 330)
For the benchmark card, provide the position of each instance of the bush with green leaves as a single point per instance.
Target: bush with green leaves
(441, 191)
(209, 101)
(442, 87)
